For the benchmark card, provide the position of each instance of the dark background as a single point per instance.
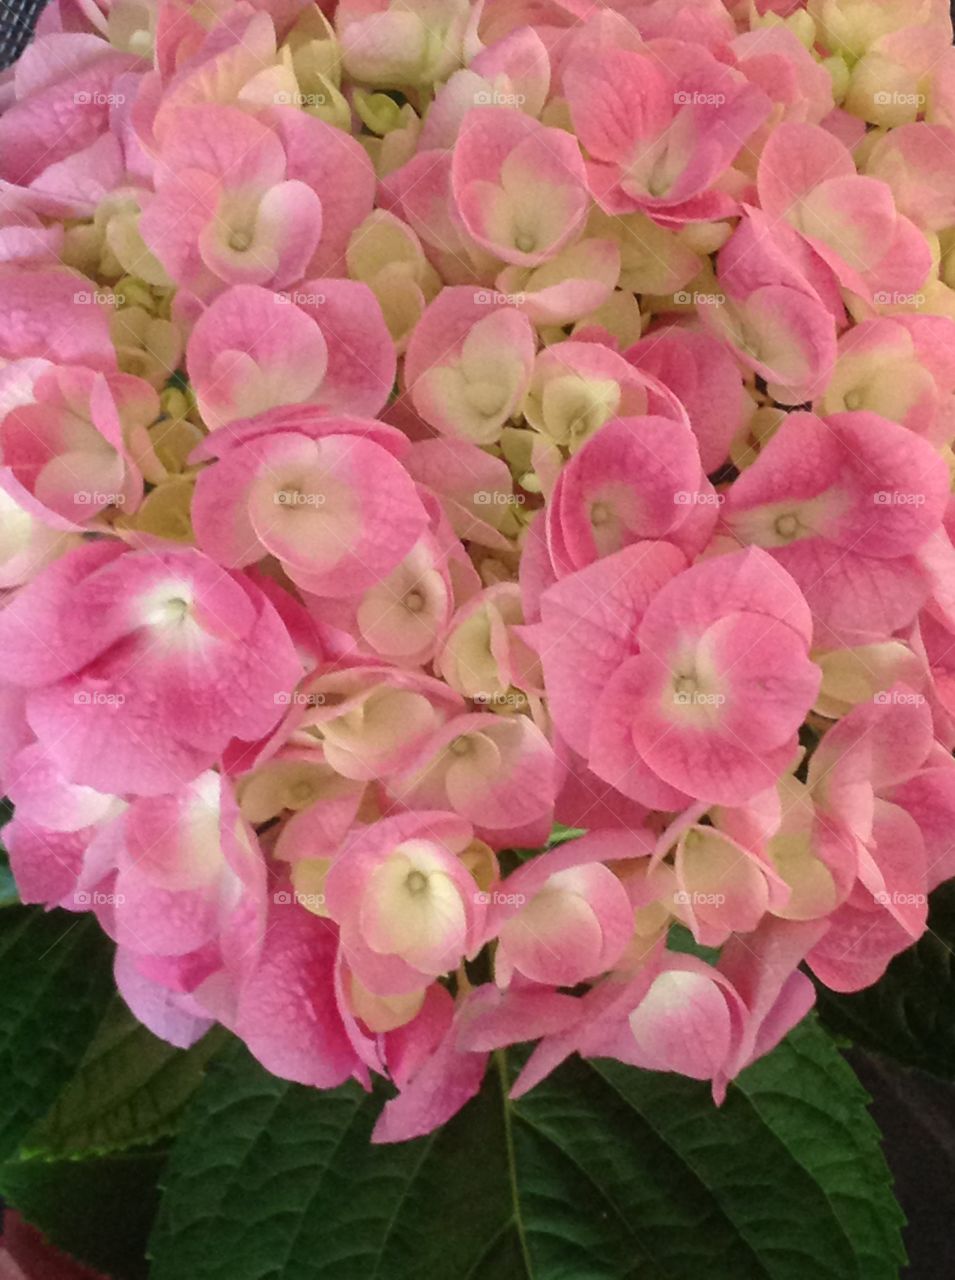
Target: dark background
(915, 1112)
(16, 25)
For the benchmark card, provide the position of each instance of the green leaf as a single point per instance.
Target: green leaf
(79, 1076)
(680, 939)
(55, 981)
(55, 984)
(99, 1210)
(909, 1014)
(809, 1096)
(129, 1090)
(9, 896)
(560, 835)
(601, 1173)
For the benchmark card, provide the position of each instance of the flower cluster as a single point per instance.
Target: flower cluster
(426, 425)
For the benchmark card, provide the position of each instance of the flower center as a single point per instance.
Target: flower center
(416, 883)
(787, 526)
(301, 792)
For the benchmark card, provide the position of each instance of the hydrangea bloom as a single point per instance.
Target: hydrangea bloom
(424, 423)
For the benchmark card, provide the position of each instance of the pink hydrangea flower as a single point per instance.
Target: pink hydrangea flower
(66, 86)
(326, 344)
(81, 445)
(844, 504)
(247, 220)
(335, 507)
(423, 423)
(879, 778)
(808, 177)
(498, 772)
(637, 479)
(519, 188)
(700, 687)
(564, 917)
(469, 363)
(407, 907)
(694, 113)
(149, 665)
